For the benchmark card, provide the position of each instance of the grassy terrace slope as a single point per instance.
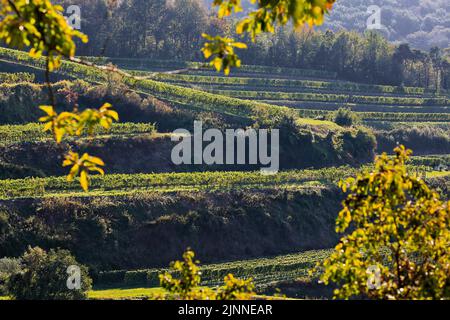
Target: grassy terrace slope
(315, 98)
(223, 216)
(22, 147)
(172, 93)
(149, 229)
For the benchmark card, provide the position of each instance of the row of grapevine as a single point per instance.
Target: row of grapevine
(37, 187)
(152, 64)
(32, 132)
(193, 181)
(439, 162)
(341, 98)
(6, 77)
(332, 106)
(369, 117)
(262, 271)
(249, 83)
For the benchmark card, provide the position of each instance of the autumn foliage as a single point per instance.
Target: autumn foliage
(396, 236)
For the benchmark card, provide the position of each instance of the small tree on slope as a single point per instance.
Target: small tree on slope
(397, 236)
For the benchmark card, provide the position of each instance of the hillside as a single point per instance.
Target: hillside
(421, 23)
(146, 210)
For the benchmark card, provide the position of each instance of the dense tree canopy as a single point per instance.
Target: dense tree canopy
(422, 23)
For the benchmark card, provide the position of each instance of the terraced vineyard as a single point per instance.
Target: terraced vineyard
(170, 182)
(33, 132)
(263, 271)
(275, 224)
(317, 98)
(400, 100)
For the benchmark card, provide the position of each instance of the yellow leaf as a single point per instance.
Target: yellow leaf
(113, 114)
(74, 170)
(84, 180)
(47, 109)
(217, 62)
(48, 126)
(59, 133)
(105, 106)
(67, 162)
(99, 170)
(105, 123)
(96, 161)
(207, 52)
(240, 45)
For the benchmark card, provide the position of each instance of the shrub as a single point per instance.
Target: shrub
(345, 117)
(360, 144)
(423, 139)
(8, 266)
(44, 277)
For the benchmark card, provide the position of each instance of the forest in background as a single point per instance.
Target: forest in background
(156, 30)
(422, 23)
(124, 227)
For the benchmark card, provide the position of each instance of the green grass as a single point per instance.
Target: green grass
(124, 294)
(435, 174)
(330, 125)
